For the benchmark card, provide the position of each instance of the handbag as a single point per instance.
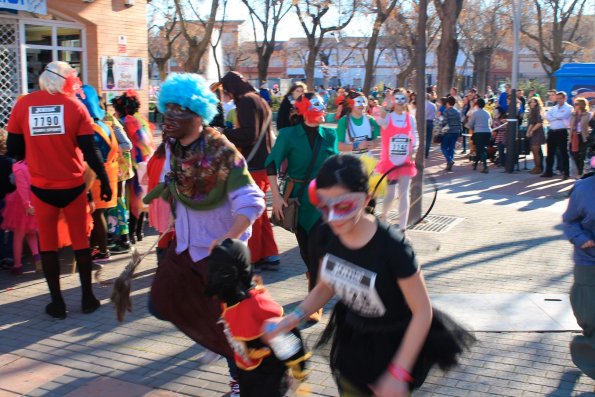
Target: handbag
(291, 212)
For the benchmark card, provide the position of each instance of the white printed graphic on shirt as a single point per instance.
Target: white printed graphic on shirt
(399, 149)
(354, 285)
(46, 120)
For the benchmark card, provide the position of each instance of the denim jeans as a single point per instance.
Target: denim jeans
(448, 146)
(429, 130)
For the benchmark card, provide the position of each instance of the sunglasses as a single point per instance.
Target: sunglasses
(401, 99)
(343, 207)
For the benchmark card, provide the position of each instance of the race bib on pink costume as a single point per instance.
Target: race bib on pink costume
(354, 285)
(398, 150)
(46, 120)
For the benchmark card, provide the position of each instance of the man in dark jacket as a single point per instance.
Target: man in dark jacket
(253, 137)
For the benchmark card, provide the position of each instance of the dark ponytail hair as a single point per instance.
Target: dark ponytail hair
(347, 171)
(343, 170)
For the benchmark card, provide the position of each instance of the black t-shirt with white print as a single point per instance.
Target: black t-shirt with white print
(375, 314)
(366, 279)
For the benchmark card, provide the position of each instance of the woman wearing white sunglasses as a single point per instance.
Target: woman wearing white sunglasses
(399, 143)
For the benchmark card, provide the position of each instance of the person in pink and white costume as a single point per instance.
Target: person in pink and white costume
(399, 143)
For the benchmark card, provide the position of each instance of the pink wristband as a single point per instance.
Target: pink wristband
(400, 373)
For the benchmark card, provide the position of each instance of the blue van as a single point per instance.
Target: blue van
(577, 80)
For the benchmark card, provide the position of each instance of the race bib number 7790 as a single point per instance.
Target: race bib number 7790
(46, 120)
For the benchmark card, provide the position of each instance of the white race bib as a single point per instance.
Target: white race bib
(354, 285)
(46, 120)
(399, 145)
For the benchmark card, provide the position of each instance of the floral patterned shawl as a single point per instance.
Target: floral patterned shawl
(203, 173)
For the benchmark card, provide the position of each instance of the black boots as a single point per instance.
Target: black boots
(132, 229)
(135, 227)
(84, 265)
(140, 223)
(51, 269)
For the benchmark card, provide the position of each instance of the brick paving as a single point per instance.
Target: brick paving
(509, 241)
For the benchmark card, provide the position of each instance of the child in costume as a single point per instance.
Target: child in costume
(245, 307)
(107, 144)
(140, 133)
(19, 217)
(383, 332)
(6, 186)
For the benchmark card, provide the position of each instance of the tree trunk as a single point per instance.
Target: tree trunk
(370, 61)
(263, 63)
(192, 63)
(162, 66)
(405, 73)
(263, 69)
(481, 68)
(197, 47)
(310, 67)
(448, 48)
(420, 114)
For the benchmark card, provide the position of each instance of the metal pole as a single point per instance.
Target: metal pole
(512, 134)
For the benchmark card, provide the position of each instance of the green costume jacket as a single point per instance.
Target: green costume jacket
(292, 144)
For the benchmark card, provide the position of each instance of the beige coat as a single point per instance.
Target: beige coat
(585, 117)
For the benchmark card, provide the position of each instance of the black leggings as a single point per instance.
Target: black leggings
(308, 244)
(579, 157)
(481, 141)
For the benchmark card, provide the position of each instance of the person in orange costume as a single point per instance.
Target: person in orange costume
(107, 143)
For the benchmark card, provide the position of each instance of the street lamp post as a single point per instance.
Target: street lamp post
(511, 141)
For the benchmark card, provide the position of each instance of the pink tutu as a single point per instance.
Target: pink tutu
(15, 215)
(407, 169)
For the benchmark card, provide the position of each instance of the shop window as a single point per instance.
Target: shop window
(36, 61)
(47, 43)
(38, 35)
(74, 58)
(69, 37)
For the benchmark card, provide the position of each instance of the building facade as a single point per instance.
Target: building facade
(105, 40)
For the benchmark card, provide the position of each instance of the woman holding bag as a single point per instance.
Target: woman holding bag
(305, 146)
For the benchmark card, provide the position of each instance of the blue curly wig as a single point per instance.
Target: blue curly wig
(91, 102)
(190, 91)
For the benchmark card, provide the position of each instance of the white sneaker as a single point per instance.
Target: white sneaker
(235, 388)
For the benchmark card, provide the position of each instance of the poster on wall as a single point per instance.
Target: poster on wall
(122, 73)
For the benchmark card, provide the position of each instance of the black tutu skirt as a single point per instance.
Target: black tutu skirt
(361, 350)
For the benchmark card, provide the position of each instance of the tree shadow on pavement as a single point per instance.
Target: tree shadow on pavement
(507, 189)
